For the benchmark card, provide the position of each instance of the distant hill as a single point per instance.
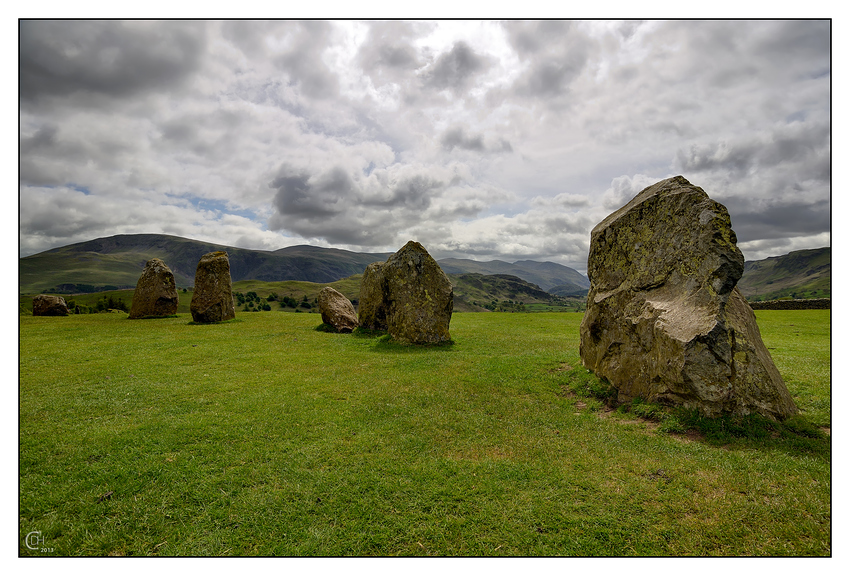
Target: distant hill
(117, 262)
(799, 274)
(545, 274)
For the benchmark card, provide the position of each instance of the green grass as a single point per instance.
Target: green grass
(264, 436)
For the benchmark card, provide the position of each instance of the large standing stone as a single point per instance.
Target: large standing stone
(212, 299)
(337, 310)
(665, 321)
(411, 294)
(373, 312)
(49, 305)
(156, 292)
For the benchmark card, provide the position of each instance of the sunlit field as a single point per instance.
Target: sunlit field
(264, 436)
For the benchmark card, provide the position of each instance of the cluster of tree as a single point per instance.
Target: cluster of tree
(290, 302)
(503, 306)
(105, 304)
(252, 302)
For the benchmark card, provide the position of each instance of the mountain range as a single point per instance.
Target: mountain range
(117, 261)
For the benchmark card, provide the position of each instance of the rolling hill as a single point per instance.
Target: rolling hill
(117, 261)
(799, 274)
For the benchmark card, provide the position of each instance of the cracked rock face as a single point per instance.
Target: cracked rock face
(409, 295)
(212, 298)
(665, 321)
(156, 292)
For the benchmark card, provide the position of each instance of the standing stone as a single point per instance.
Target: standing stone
(337, 310)
(156, 292)
(212, 299)
(373, 313)
(48, 305)
(416, 297)
(665, 321)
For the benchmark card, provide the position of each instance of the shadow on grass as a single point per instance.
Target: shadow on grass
(231, 321)
(793, 435)
(387, 345)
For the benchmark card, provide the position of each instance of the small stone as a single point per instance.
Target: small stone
(337, 310)
(49, 305)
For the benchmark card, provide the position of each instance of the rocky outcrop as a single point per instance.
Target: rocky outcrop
(337, 310)
(156, 292)
(212, 298)
(410, 295)
(665, 321)
(49, 305)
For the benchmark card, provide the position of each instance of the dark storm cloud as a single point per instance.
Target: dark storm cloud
(556, 51)
(300, 195)
(60, 58)
(335, 206)
(530, 37)
(455, 70)
(457, 138)
(296, 49)
(776, 220)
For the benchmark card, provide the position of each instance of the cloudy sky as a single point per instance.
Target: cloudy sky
(480, 139)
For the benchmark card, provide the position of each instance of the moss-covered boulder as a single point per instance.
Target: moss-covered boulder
(212, 298)
(665, 321)
(409, 295)
(156, 292)
(49, 305)
(337, 310)
(372, 313)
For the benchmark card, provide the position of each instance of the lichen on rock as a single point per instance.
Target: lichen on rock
(409, 295)
(156, 292)
(212, 298)
(665, 321)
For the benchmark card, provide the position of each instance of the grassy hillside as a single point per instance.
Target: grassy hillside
(799, 274)
(262, 436)
(546, 275)
(119, 260)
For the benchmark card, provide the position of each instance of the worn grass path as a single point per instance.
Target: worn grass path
(263, 436)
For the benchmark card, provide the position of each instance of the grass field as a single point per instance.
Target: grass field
(264, 436)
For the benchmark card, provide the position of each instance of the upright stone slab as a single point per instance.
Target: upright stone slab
(156, 292)
(212, 298)
(409, 295)
(418, 297)
(665, 321)
(49, 305)
(337, 310)
(372, 314)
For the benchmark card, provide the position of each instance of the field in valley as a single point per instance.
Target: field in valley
(264, 436)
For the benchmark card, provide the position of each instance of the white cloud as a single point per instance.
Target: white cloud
(480, 138)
